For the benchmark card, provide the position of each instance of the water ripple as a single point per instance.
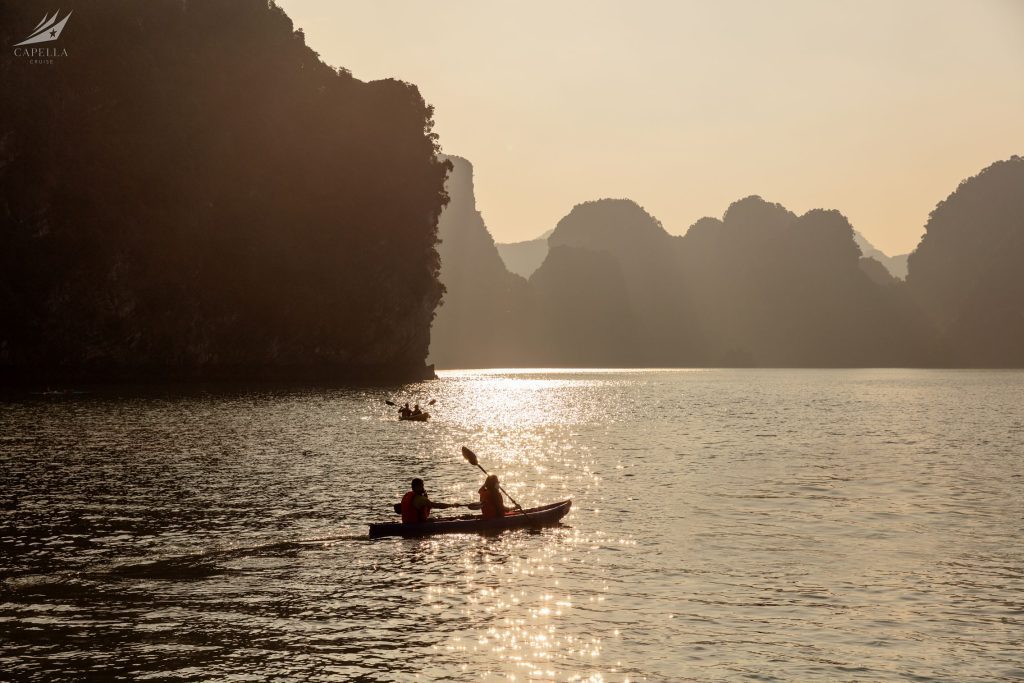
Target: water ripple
(766, 525)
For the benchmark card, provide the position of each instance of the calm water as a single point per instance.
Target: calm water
(727, 525)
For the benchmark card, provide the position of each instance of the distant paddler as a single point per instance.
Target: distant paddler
(415, 413)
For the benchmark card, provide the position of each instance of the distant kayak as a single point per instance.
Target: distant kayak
(422, 417)
(535, 517)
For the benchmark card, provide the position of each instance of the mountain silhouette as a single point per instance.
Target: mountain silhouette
(663, 328)
(485, 317)
(761, 286)
(877, 272)
(219, 203)
(524, 258)
(584, 313)
(896, 265)
(777, 289)
(968, 271)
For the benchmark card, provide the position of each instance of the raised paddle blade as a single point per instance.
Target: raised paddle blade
(432, 402)
(469, 455)
(390, 403)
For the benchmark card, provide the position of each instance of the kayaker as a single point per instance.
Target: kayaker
(492, 504)
(416, 505)
(404, 411)
(416, 409)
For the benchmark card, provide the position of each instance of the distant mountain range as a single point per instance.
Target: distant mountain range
(896, 265)
(760, 286)
(523, 258)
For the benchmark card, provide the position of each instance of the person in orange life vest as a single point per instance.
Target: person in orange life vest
(416, 505)
(492, 504)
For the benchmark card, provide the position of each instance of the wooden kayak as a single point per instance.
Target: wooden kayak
(545, 515)
(422, 417)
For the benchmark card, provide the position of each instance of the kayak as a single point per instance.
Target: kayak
(545, 515)
(422, 417)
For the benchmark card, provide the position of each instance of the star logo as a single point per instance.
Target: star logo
(46, 30)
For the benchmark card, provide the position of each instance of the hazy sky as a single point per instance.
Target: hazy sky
(875, 108)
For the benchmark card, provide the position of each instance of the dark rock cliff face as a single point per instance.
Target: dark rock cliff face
(190, 192)
(968, 271)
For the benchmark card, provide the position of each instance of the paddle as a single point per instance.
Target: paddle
(470, 457)
(469, 506)
(392, 403)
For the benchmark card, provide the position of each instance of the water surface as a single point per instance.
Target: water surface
(727, 525)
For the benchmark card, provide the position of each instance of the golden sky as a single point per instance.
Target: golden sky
(876, 108)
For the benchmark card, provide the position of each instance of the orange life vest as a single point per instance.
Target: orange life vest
(410, 514)
(491, 503)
